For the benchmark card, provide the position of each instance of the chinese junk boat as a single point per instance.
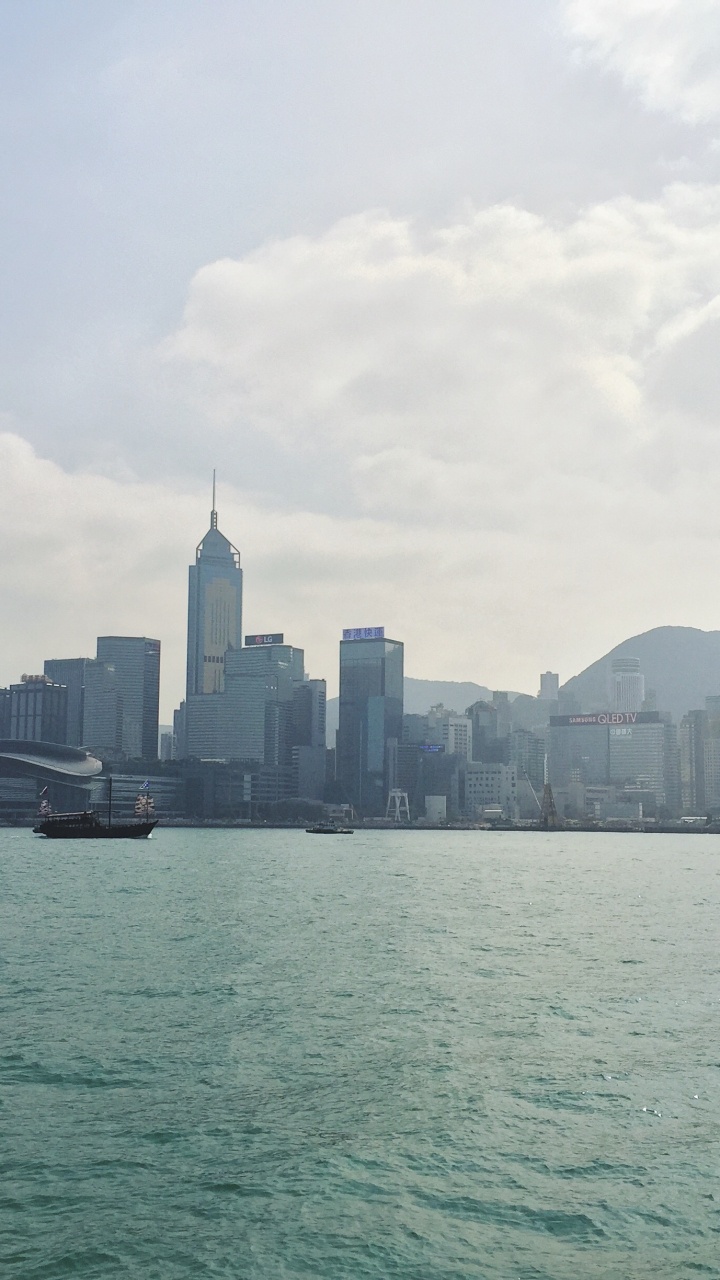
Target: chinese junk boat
(89, 826)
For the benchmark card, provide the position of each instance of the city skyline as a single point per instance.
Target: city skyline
(253, 729)
(421, 302)
(449, 336)
(171, 695)
(214, 623)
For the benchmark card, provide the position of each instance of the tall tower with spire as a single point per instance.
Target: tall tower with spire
(214, 609)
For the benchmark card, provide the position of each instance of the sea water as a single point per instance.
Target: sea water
(422, 1055)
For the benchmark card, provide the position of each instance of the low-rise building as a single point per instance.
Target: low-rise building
(490, 785)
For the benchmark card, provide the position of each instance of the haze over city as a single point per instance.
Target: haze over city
(360, 661)
(433, 287)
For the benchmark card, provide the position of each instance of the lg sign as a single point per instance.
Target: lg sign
(277, 637)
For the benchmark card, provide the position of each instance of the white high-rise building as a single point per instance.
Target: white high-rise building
(636, 757)
(549, 686)
(628, 685)
(451, 731)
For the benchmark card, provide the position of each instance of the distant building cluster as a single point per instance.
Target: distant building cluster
(249, 737)
(109, 703)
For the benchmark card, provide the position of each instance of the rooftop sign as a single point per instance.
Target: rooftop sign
(364, 633)
(604, 718)
(275, 637)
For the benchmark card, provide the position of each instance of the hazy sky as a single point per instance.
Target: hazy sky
(434, 285)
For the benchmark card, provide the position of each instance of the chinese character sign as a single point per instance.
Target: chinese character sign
(364, 633)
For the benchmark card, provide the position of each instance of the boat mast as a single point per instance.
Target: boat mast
(109, 799)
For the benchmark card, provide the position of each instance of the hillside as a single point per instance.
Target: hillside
(682, 665)
(419, 696)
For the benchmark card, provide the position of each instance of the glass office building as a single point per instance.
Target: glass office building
(135, 665)
(252, 718)
(214, 610)
(38, 710)
(103, 711)
(71, 673)
(371, 714)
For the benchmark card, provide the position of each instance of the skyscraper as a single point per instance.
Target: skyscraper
(628, 685)
(483, 717)
(71, 673)
(38, 710)
(274, 669)
(136, 662)
(268, 716)
(309, 742)
(214, 609)
(102, 710)
(549, 686)
(252, 718)
(636, 757)
(5, 703)
(371, 713)
(452, 731)
(692, 738)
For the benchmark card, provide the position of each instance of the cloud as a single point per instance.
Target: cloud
(667, 50)
(83, 555)
(529, 403)
(86, 555)
(496, 437)
(412, 365)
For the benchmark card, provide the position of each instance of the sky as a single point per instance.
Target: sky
(433, 284)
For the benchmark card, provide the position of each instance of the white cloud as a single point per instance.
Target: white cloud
(527, 406)
(667, 50)
(499, 347)
(498, 438)
(83, 555)
(87, 555)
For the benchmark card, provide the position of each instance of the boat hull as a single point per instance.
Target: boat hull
(95, 831)
(328, 831)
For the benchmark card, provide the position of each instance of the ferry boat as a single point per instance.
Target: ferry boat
(328, 829)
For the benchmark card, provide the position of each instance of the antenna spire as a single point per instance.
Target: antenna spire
(213, 513)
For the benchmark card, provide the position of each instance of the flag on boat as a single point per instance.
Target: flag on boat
(144, 803)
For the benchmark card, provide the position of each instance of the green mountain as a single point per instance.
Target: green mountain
(681, 664)
(419, 696)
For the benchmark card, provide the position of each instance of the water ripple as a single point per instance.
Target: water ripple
(243, 1055)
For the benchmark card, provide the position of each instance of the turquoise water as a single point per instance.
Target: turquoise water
(427, 1056)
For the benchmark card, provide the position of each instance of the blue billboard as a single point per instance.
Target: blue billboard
(364, 633)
